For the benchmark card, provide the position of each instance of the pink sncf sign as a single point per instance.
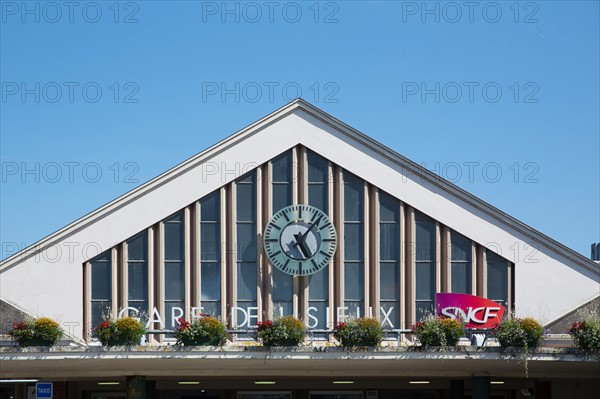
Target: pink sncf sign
(477, 312)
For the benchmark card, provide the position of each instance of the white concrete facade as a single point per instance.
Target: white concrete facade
(46, 278)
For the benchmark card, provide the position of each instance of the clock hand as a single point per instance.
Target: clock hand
(316, 223)
(301, 243)
(301, 238)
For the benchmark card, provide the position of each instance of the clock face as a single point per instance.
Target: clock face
(300, 240)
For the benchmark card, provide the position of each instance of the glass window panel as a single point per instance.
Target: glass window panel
(317, 168)
(353, 238)
(389, 208)
(424, 309)
(354, 308)
(174, 281)
(282, 196)
(137, 281)
(283, 288)
(173, 241)
(177, 217)
(142, 308)
(353, 200)
(282, 308)
(390, 318)
(210, 237)
(137, 247)
(171, 314)
(389, 280)
(320, 313)
(319, 285)
(461, 278)
(425, 240)
(210, 281)
(246, 202)
(354, 281)
(210, 207)
(317, 196)
(389, 241)
(100, 310)
(246, 246)
(425, 280)
(460, 247)
(101, 280)
(497, 276)
(246, 286)
(282, 167)
(212, 308)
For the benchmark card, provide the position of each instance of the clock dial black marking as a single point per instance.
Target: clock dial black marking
(298, 234)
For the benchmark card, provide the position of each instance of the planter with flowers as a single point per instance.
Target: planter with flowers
(42, 331)
(365, 331)
(524, 333)
(438, 331)
(206, 330)
(586, 334)
(286, 331)
(124, 331)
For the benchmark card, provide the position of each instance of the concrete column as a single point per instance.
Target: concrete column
(136, 387)
(481, 388)
(457, 389)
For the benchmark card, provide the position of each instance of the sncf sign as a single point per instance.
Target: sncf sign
(476, 312)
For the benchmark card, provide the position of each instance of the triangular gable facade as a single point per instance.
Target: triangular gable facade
(48, 275)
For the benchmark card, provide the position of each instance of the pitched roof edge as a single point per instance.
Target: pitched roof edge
(330, 120)
(453, 189)
(133, 194)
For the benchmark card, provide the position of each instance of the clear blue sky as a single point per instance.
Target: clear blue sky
(517, 88)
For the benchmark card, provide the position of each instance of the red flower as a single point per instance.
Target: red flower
(183, 324)
(340, 325)
(576, 327)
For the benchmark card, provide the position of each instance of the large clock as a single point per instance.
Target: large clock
(300, 240)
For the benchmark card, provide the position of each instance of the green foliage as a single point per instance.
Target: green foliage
(124, 331)
(359, 332)
(438, 331)
(286, 331)
(38, 332)
(586, 334)
(519, 333)
(207, 330)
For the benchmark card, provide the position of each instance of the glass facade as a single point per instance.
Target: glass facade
(154, 264)
(282, 179)
(210, 254)
(353, 244)
(137, 273)
(246, 251)
(425, 261)
(460, 263)
(389, 260)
